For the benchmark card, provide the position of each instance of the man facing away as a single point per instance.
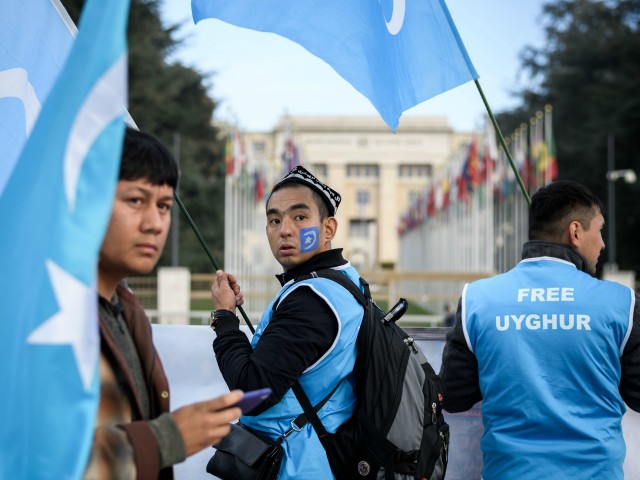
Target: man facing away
(307, 333)
(552, 352)
(135, 237)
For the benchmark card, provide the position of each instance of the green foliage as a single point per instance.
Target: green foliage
(588, 70)
(170, 101)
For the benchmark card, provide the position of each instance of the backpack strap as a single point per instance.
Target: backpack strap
(310, 412)
(342, 280)
(362, 299)
(382, 448)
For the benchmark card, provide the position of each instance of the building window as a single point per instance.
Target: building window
(359, 229)
(319, 169)
(423, 170)
(362, 197)
(363, 170)
(259, 148)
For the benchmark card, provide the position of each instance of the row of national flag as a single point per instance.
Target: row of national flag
(248, 167)
(482, 166)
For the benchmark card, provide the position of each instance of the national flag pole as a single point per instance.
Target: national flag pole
(503, 143)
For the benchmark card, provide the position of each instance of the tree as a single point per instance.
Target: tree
(170, 101)
(588, 70)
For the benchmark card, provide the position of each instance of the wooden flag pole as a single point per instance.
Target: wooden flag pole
(504, 144)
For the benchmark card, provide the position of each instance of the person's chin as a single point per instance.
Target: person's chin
(288, 261)
(143, 266)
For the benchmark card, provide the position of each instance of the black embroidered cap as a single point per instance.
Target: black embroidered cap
(302, 176)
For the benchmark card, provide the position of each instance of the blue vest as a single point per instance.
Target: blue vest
(548, 339)
(304, 455)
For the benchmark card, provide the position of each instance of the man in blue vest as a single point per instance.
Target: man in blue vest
(308, 332)
(552, 352)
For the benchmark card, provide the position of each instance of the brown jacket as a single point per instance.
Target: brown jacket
(142, 440)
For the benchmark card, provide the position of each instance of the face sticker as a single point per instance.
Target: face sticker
(309, 238)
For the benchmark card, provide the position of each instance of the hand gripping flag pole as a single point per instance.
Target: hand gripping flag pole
(208, 252)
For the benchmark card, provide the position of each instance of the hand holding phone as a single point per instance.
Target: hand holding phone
(252, 399)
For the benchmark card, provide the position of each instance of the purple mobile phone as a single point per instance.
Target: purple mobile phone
(252, 399)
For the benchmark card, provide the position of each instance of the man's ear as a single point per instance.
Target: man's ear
(329, 228)
(574, 233)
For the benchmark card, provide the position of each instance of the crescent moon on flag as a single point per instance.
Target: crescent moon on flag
(102, 106)
(397, 17)
(14, 83)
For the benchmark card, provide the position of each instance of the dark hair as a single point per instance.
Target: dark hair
(557, 204)
(144, 156)
(323, 209)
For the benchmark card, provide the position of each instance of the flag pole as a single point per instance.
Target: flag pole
(208, 252)
(503, 143)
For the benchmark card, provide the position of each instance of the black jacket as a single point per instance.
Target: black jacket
(302, 329)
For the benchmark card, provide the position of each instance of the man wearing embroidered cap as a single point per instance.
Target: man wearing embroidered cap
(308, 332)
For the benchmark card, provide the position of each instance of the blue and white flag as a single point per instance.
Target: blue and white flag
(34, 44)
(54, 211)
(397, 53)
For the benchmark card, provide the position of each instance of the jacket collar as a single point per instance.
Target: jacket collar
(329, 259)
(539, 248)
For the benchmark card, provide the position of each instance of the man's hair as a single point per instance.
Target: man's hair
(555, 205)
(144, 156)
(291, 183)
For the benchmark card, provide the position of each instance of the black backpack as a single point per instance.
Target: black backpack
(397, 430)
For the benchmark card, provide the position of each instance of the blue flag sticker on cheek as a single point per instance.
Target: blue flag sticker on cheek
(309, 239)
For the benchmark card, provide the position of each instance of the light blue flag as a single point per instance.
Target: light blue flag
(54, 211)
(34, 44)
(397, 53)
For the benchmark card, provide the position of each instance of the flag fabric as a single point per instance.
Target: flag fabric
(490, 154)
(551, 171)
(258, 186)
(54, 211)
(228, 154)
(474, 169)
(290, 156)
(396, 53)
(239, 153)
(34, 44)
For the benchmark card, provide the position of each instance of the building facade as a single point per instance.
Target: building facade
(378, 173)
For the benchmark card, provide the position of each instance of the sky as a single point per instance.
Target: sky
(257, 77)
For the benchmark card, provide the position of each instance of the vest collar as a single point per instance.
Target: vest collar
(329, 259)
(539, 248)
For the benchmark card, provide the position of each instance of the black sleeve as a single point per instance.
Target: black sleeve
(630, 363)
(302, 329)
(459, 371)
